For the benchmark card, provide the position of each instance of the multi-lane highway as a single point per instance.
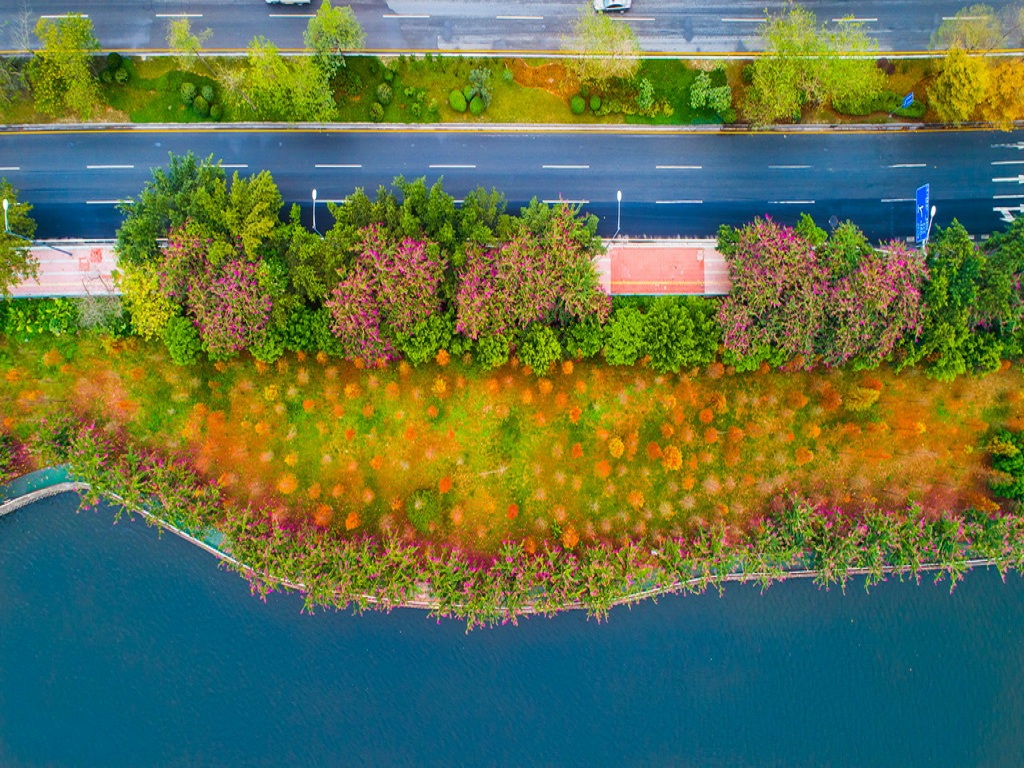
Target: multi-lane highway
(689, 26)
(671, 183)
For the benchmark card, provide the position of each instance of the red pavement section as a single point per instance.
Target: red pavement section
(664, 267)
(83, 271)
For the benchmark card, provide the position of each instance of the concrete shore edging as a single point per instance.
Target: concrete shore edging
(424, 601)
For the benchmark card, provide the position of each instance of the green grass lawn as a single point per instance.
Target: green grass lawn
(153, 92)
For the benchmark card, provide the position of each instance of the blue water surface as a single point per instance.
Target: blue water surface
(119, 647)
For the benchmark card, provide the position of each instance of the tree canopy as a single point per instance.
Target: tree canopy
(60, 71)
(17, 263)
(606, 48)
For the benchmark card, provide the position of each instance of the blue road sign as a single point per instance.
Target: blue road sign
(908, 100)
(924, 206)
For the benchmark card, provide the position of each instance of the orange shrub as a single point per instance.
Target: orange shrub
(577, 451)
(672, 459)
(635, 498)
(368, 410)
(581, 386)
(321, 357)
(803, 456)
(706, 415)
(391, 389)
(291, 459)
(350, 433)
(575, 413)
(513, 511)
(352, 521)
(603, 469)
(338, 411)
(561, 400)
(796, 399)
(734, 435)
(377, 462)
(440, 386)
(52, 358)
(570, 538)
(667, 430)
(432, 411)
(653, 451)
(352, 390)
(716, 370)
(710, 435)
(544, 386)
(287, 483)
(313, 492)
(322, 515)
(616, 447)
(445, 484)
(442, 358)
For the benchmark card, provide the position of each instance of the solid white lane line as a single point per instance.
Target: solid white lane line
(337, 165)
(566, 167)
(789, 167)
(62, 15)
(519, 18)
(745, 20)
(678, 202)
(862, 21)
(106, 202)
(10, 168)
(1007, 197)
(909, 165)
(790, 202)
(678, 167)
(632, 18)
(179, 15)
(1007, 162)
(442, 165)
(406, 15)
(965, 18)
(290, 15)
(1011, 179)
(570, 202)
(898, 200)
(108, 167)
(234, 165)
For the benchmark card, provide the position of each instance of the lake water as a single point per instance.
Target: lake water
(119, 647)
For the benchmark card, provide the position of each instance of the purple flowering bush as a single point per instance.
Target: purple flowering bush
(786, 302)
(390, 287)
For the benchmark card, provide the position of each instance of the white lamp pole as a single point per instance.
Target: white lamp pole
(7, 230)
(928, 234)
(314, 211)
(618, 214)
(7, 227)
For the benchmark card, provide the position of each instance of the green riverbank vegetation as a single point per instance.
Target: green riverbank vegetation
(436, 402)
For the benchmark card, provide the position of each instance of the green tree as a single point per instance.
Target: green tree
(680, 332)
(951, 343)
(805, 64)
(17, 263)
(962, 85)
(606, 48)
(977, 28)
(188, 45)
(61, 70)
(330, 33)
(539, 348)
(190, 190)
(150, 308)
(271, 88)
(253, 212)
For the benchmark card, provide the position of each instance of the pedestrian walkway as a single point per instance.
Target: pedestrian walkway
(629, 267)
(663, 267)
(83, 271)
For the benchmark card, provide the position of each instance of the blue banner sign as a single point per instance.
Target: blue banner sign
(908, 100)
(924, 206)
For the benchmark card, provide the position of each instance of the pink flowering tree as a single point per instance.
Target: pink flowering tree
(530, 278)
(788, 298)
(389, 288)
(226, 301)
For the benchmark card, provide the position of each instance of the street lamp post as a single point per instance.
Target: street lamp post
(931, 218)
(30, 241)
(314, 211)
(618, 214)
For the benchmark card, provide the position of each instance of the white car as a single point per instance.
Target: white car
(288, 2)
(609, 6)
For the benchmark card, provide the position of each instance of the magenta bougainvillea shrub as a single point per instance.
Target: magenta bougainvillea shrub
(506, 287)
(390, 287)
(226, 301)
(786, 303)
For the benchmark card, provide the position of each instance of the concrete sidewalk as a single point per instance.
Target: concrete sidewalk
(86, 272)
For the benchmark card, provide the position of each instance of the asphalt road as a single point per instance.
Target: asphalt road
(672, 184)
(483, 25)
